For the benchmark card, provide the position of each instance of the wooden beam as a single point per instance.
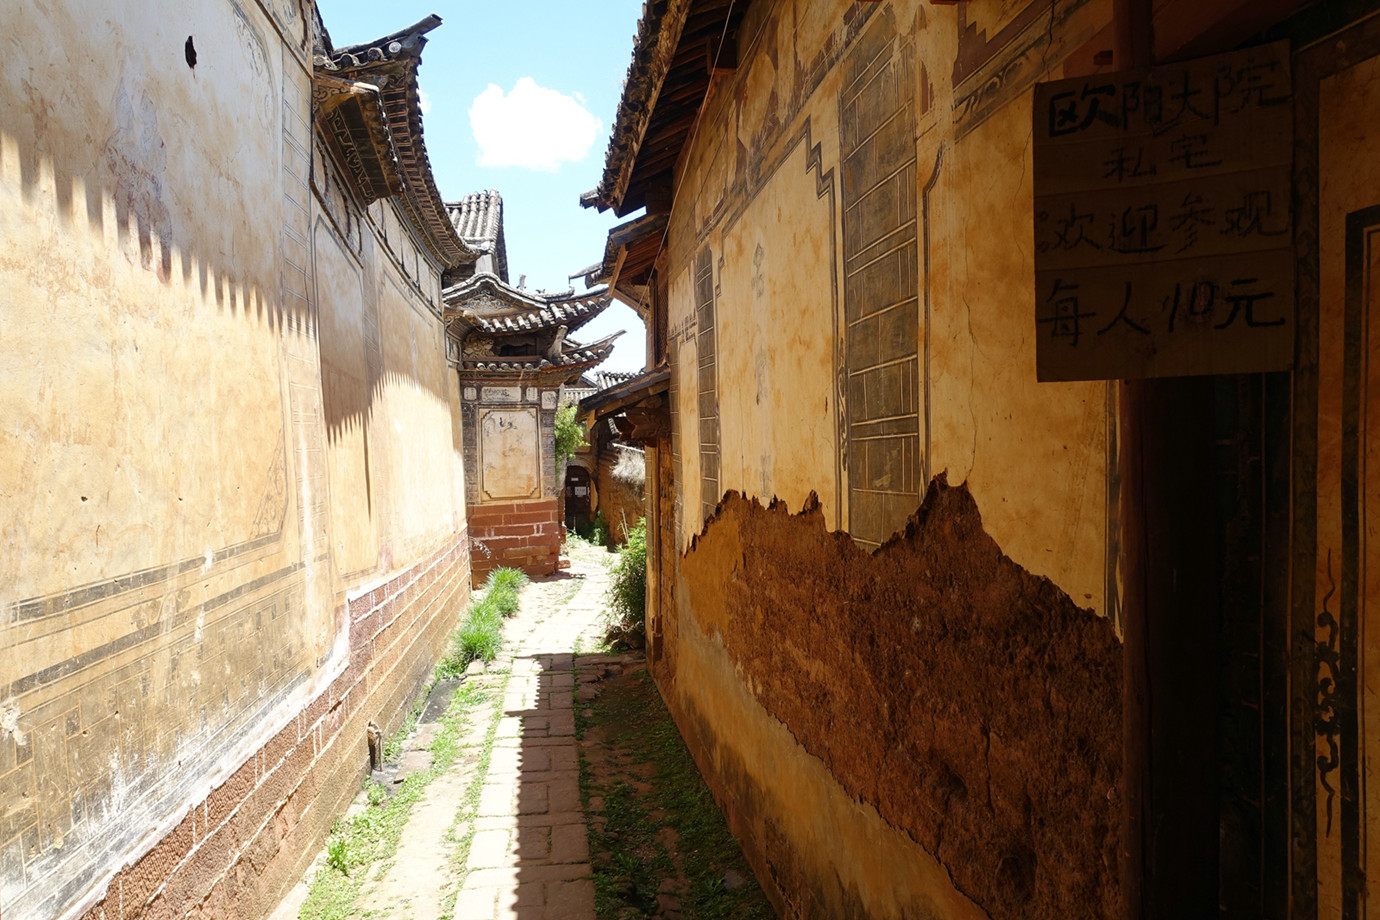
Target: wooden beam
(690, 52)
(662, 162)
(647, 423)
(618, 267)
(659, 198)
(723, 55)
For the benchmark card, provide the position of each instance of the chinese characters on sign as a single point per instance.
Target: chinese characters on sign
(1163, 232)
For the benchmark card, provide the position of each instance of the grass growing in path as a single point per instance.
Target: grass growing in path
(356, 844)
(480, 635)
(371, 837)
(658, 820)
(461, 833)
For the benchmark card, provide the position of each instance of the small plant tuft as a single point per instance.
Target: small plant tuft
(596, 532)
(627, 593)
(338, 854)
(510, 582)
(480, 635)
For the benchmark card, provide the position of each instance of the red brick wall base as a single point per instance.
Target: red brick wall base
(236, 853)
(519, 535)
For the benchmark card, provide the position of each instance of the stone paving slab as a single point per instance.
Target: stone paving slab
(529, 855)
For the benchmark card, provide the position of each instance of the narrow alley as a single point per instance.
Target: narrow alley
(977, 393)
(500, 830)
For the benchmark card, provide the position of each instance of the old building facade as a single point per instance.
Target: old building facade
(949, 641)
(514, 357)
(611, 471)
(232, 468)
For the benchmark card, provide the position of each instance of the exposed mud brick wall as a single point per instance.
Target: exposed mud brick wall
(621, 503)
(661, 576)
(519, 535)
(238, 850)
(974, 705)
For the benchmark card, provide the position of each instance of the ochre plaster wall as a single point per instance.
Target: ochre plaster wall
(623, 504)
(228, 418)
(859, 190)
(766, 193)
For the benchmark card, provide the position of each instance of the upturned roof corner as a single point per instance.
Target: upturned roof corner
(377, 134)
(679, 47)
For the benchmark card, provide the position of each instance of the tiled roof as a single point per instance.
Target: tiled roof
(658, 32)
(569, 313)
(575, 359)
(679, 46)
(485, 302)
(649, 227)
(617, 398)
(605, 379)
(478, 219)
(390, 63)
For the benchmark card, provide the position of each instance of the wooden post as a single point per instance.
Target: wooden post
(1170, 629)
(1169, 620)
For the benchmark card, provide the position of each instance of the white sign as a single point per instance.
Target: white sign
(1163, 229)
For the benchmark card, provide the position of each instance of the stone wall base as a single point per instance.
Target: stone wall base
(237, 852)
(521, 535)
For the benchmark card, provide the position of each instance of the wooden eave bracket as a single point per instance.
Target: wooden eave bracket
(351, 117)
(646, 390)
(646, 422)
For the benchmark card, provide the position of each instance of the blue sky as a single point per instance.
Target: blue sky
(543, 72)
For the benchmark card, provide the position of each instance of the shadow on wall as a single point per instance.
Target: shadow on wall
(129, 196)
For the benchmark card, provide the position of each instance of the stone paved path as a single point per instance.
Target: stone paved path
(529, 855)
(529, 858)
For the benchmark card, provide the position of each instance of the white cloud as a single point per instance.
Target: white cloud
(531, 126)
(423, 101)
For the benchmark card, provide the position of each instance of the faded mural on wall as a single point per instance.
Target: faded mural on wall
(508, 463)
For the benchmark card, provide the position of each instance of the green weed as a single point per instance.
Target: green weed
(338, 854)
(480, 635)
(627, 592)
(630, 860)
(371, 837)
(508, 580)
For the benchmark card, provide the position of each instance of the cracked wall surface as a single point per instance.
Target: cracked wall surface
(861, 196)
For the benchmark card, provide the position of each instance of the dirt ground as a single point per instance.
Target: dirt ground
(659, 845)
